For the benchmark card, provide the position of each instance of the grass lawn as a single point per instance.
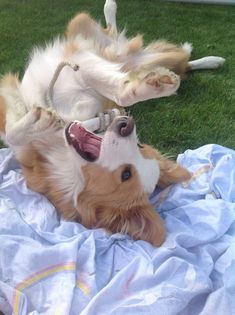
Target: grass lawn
(202, 112)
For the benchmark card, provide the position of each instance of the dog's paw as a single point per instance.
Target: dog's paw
(162, 78)
(37, 122)
(43, 119)
(158, 83)
(145, 85)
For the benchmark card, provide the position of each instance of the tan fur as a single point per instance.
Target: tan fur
(171, 56)
(82, 23)
(170, 171)
(71, 48)
(118, 207)
(36, 170)
(168, 55)
(108, 104)
(105, 201)
(135, 44)
(163, 46)
(110, 54)
(9, 80)
(2, 114)
(176, 61)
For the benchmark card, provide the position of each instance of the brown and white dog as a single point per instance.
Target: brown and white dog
(98, 181)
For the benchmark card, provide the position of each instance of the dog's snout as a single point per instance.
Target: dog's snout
(124, 126)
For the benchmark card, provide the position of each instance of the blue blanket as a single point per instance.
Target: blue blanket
(50, 266)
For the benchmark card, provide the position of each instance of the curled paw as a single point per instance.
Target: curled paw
(162, 77)
(45, 118)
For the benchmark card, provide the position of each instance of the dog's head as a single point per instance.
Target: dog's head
(119, 176)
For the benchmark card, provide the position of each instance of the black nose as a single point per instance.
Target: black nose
(124, 126)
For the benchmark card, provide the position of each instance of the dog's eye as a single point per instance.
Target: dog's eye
(126, 174)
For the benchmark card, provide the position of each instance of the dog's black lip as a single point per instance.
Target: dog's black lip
(89, 150)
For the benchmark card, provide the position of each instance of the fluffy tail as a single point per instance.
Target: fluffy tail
(187, 47)
(210, 62)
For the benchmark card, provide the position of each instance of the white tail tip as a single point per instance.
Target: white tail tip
(188, 47)
(210, 62)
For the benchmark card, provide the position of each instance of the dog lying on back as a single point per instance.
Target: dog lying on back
(98, 181)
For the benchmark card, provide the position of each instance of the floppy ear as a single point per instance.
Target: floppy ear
(145, 224)
(140, 222)
(170, 171)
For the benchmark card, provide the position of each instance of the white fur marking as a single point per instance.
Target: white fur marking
(188, 47)
(116, 151)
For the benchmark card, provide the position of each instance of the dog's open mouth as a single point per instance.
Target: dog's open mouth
(86, 143)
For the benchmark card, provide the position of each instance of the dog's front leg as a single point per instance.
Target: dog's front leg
(35, 125)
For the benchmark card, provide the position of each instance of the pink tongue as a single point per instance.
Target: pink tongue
(91, 146)
(88, 142)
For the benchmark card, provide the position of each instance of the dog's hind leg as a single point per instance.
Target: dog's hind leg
(82, 24)
(125, 88)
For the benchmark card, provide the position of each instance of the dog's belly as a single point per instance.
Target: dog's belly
(71, 97)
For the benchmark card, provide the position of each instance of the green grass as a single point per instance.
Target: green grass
(202, 112)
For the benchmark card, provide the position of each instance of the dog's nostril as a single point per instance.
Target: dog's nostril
(125, 126)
